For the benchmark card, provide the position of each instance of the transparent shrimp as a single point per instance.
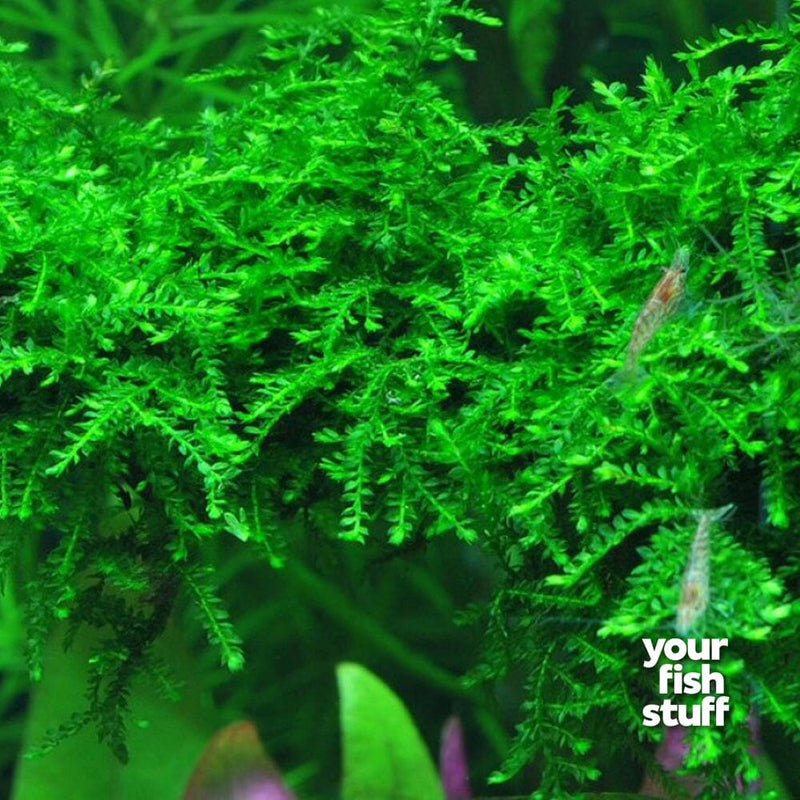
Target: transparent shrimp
(660, 306)
(696, 583)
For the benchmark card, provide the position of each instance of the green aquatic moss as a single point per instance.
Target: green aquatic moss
(340, 307)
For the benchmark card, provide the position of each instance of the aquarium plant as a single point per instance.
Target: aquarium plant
(340, 321)
(382, 753)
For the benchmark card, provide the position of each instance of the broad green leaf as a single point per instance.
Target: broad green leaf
(384, 757)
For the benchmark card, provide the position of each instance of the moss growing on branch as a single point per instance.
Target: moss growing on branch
(341, 305)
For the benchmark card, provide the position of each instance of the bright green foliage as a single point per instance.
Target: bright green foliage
(342, 305)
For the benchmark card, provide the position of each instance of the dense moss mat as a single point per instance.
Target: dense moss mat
(340, 314)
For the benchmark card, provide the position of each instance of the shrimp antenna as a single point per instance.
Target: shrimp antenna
(713, 239)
